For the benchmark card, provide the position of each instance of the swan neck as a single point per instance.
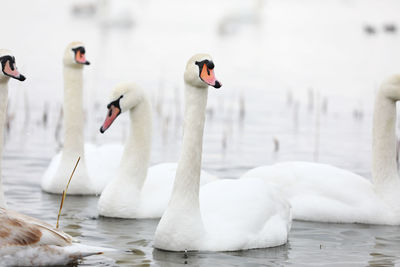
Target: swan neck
(187, 181)
(384, 165)
(3, 116)
(73, 111)
(136, 155)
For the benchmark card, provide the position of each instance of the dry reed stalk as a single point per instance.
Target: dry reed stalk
(64, 194)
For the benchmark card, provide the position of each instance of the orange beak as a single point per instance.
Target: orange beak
(207, 75)
(112, 114)
(81, 58)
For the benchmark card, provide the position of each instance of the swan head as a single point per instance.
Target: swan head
(74, 55)
(199, 72)
(124, 97)
(8, 67)
(391, 88)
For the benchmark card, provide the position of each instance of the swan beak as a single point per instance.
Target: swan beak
(12, 71)
(81, 58)
(112, 114)
(207, 75)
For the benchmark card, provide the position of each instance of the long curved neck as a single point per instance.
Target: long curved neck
(183, 211)
(185, 194)
(3, 114)
(384, 165)
(73, 111)
(136, 156)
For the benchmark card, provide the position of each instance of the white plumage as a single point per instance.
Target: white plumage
(226, 215)
(319, 192)
(95, 170)
(137, 191)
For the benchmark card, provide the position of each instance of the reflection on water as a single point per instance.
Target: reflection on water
(299, 79)
(256, 257)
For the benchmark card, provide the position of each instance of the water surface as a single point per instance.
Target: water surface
(298, 84)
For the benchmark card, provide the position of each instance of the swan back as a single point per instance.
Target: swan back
(27, 241)
(21, 230)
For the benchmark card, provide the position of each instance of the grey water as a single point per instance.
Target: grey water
(298, 77)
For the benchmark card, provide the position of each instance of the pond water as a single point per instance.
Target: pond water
(298, 84)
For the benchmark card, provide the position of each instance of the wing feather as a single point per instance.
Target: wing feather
(20, 230)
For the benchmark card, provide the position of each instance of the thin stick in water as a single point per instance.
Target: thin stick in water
(64, 194)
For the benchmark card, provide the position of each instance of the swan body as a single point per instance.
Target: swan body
(129, 202)
(324, 193)
(93, 156)
(225, 215)
(320, 192)
(27, 241)
(90, 177)
(137, 191)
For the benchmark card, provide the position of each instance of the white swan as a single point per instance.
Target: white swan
(92, 174)
(231, 214)
(8, 69)
(319, 192)
(25, 240)
(137, 191)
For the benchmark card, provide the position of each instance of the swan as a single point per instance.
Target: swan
(8, 70)
(92, 174)
(227, 215)
(324, 193)
(25, 240)
(137, 191)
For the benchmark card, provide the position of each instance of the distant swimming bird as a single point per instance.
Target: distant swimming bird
(225, 215)
(390, 28)
(320, 192)
(136, 190)
(93, 174)
(369, 29)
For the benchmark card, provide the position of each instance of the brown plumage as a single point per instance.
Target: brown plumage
(17, 229)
